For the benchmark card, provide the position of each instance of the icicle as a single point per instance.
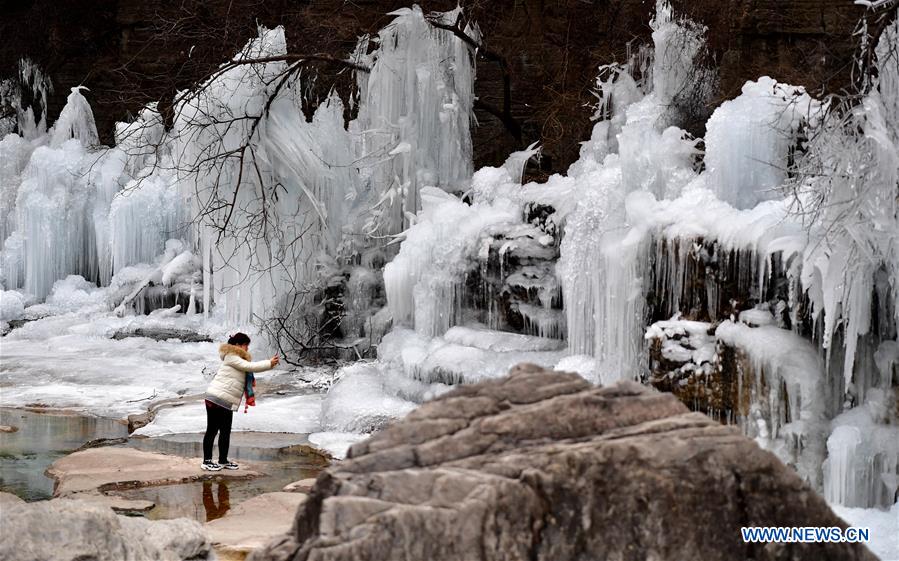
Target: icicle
(863, 456)
(142, 217)
(517, 161)
(206, 249)
(424, 281)
(75, 121)
(32, 77)
(619, 308)
(543, 321)
(52, 218)
(786, 397)
(191, 304)
(418, 96)
(15, 152)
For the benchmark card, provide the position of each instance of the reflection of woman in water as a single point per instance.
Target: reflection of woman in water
(214, 511)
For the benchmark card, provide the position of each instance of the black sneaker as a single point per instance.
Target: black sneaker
(209, 465)
(229, 465)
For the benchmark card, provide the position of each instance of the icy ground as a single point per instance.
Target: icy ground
(71, 362)
(884, 526)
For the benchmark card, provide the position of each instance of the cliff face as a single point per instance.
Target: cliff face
(130, 52)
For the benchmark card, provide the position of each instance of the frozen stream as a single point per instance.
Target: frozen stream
(78, 384)
(71, 364)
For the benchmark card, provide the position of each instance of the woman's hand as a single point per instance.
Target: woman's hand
(275, 361)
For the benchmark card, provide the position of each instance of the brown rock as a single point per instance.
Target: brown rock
(543, 466)
(253, 523)
(9, 499)
(109, 468)
(301, 486)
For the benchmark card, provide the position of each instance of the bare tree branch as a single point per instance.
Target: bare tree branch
(504, 114)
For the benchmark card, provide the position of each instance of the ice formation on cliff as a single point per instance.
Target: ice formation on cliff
(630, 225)
(241, 191)
(636, 213)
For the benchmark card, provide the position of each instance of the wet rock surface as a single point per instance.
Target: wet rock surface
(301, 486)
(107, 469)
(65, 530)
(252, 523)
(118, 504)
(544, 466)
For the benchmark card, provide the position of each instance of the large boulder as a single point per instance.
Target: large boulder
(544, 466)
(67, 530)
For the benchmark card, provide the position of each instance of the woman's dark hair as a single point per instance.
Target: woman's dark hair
(239, 339)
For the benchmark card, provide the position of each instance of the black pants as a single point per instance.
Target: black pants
(218, 420)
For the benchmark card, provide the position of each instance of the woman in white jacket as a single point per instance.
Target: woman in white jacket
(224, 395)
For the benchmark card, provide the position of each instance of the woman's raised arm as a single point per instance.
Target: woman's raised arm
(247, 366)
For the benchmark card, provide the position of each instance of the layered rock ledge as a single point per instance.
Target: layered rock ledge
(113, 469)
(544, 466)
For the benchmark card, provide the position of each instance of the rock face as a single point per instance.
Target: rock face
(64, 530)
(162, 334)
(543, 466)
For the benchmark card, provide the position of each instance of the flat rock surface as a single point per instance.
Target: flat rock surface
(254, 522)
(118, 504)
(301, 486)
(109, 468)
(68, 530)
(9, 499)
(543, 466)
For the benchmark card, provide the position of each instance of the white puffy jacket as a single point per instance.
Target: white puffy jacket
(227, 387)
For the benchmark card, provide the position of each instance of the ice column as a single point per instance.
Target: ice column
(54, 204)
(415, 113)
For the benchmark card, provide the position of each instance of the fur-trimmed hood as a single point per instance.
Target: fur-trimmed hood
(227, 349)
(230, 382)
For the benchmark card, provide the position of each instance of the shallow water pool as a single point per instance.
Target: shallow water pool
(41, 439)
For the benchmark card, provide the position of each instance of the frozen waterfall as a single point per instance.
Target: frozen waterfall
(754, 272)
